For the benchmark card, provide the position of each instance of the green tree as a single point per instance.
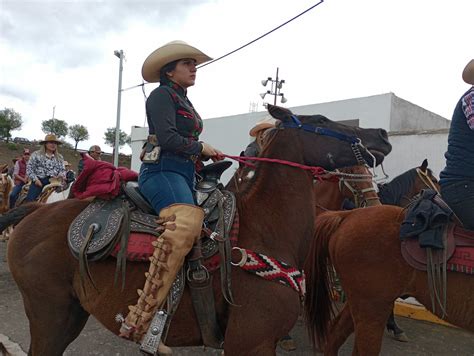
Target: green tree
(10, 120)
(54, 126)
(109, 137)
(78, 133)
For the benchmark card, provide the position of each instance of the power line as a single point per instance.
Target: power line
(243, 46)
(266, 34)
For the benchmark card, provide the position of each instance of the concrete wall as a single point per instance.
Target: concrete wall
(387, 111)
(411, 148)
(406, 116)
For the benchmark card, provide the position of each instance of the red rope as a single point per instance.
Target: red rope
(317, 172)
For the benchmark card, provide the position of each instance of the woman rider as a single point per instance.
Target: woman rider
(44, 164)
(457, 178)
(168, 181)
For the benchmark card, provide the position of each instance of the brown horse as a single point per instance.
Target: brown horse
(399, 191)
(6, 186)
(276, 218)
(363, 245)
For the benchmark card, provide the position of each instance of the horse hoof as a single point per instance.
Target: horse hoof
(402, 337)
(287, 344)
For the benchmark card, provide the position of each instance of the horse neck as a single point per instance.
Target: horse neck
(327, 196)
(277, 211)
(392, 192)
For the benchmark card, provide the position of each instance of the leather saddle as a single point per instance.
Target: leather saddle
(100, 223)
(454, 236)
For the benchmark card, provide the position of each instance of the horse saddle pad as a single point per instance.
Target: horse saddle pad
(107, 218)
(456, 238)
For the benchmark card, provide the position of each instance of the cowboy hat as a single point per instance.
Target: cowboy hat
(50, 138)
(170, 52)
(265, 123)
(468, 73)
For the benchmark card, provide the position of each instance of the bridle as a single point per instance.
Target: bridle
(425, 178)
(350, 181)
(354, 141)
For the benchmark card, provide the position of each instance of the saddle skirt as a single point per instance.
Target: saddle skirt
(459, 251)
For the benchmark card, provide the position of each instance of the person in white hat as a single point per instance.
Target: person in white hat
(258, 131)
(44, 164)
(457, 178)
(167, 173)
(70, 175)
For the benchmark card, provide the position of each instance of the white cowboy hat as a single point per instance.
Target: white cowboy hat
(468, 73)
(170, 52)
(265, 123)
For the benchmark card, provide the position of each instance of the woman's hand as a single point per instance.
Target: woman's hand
(38, 183)
(209, 151)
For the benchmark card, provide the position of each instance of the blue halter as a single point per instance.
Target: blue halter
(296, 124)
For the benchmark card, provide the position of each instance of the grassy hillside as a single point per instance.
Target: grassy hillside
(10, 150)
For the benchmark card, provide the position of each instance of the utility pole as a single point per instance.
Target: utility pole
(118, 54)
(275, 87)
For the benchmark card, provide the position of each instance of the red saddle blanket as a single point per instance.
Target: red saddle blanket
(140, 249)
(459, 251)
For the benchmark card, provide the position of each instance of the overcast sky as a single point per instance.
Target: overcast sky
(61, 53)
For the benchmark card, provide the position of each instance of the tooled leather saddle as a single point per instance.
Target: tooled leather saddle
(457, 244)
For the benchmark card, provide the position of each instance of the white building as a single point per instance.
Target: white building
(415, 133)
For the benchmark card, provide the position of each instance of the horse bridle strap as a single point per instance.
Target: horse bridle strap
(426, 179)
(271, 269)
(297, 124)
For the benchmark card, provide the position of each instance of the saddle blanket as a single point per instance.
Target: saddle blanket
(462, 260)
(140, 249)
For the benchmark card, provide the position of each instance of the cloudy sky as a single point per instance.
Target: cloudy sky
(61, 54)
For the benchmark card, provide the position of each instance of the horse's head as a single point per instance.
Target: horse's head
(425, 179)
(331, 144)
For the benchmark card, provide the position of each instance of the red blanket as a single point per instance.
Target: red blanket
(101, 179)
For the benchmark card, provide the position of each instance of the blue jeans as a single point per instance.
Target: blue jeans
(14, 194)
(35, 191)
(169, 181)
(460, 197)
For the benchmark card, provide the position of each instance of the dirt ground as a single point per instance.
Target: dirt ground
(425, 338)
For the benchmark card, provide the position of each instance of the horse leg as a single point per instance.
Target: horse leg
(260, 320)
(369, 322)
(392, 326)
(54, 324)
(340, 329)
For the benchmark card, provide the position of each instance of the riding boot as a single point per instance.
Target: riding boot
(182, 227)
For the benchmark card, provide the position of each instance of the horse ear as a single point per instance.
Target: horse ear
(424, 165)
(278, 112)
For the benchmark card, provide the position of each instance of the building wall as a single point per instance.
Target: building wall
(387, 111)
(411, 148)
(406, 116)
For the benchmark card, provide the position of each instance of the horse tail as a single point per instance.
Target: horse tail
(14, 216)
(319, 309)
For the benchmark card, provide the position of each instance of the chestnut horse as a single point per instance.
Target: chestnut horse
(6, 186)
(276, 218)
(363, 245)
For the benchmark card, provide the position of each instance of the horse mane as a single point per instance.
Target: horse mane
(392, 192)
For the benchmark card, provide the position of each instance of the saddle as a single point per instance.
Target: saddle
(454, 236)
